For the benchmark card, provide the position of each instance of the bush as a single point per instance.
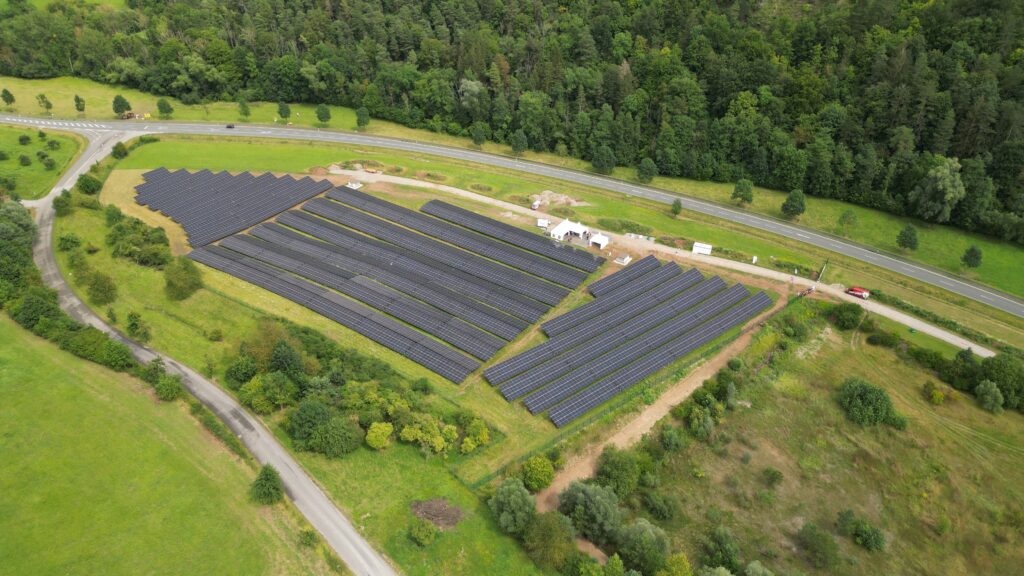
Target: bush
(643, 546)
(550, 540)
(989, 397)
(594, 511)
(168, 387)
(152, 372)
(867, 405)
(861, 531)
(88, 184)
(659, 506)
(735, 364)
(120, 151)
(24, 140)
(538, 472)
(378, 436)
(884, 339)
(847, 315)
(512, 506)
(772, 477)
(101, 289)
(53, 145)
(721, 549)
(68, 241)
(672, 439)
(619, 470)
(181, 278)
(241, 370)
(24, 160)
(267, 488)
(337, 437)
(821, 549)
(137, 327)
(308, 538)
(422, 532)
(310, 415)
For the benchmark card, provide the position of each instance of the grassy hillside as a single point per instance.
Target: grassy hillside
(946, 492)
(940, 246)
(35, 180)
(99, 478)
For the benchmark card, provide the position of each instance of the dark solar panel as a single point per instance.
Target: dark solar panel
(516, 236)
(623, 276)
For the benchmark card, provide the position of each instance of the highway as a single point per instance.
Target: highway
(321, 512)
(974, 291)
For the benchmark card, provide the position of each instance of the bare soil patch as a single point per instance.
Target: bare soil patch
(552, 198)
(437, 511)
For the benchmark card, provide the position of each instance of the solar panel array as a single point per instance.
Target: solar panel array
(516, 236)
(643, 321)
(211, 206)
(447, 291)
(624, 276)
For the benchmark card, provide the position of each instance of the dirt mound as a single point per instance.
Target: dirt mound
(551, 198)
(438, 511)
(318, 171)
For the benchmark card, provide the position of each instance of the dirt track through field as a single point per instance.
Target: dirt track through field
(582, 465)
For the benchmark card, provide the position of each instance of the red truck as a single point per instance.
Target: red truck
(858, 292)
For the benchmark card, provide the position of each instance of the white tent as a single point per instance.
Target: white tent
(600, 240)
(543, 223)
(568, 228)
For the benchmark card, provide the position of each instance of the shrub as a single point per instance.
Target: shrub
(735, 364)
(88, 184)
(112, 214)
(821, 549)
(646, 170)
(181, 278)
(643, 546)
(594, 511)
(772, 476)
(847, 315)
(152, 372)
(24, 140)
(53, 145)
(267, 488)
(972, 257)
(907, 238)
(795, 204)
(672, 438)
(241, 370)
(267, 392)
(885, 339)
(422, 532)
(861, 531)
(310, 415)
(68, 241)
(215, 335)
(101, 289)
(550, 540)
(168, 387)
(308, 538)
(137, 327)
(659, 506)
(619, 470)
(337, 437)
(538, 472)
(989, 397)
(49, 164)
(721, 549)
(4, 155)
(24, 160)
(743, 192)
(866, 404)
(513, 506)
(378, 436)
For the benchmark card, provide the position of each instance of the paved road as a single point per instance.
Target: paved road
(311, 501)
(935, 277)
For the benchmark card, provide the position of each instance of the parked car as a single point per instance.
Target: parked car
(858, 292)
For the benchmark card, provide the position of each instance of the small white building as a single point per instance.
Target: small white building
(624, 259)
(543, 223)
(355, 184)
(701, 248)
(566, 229)
(600, 240)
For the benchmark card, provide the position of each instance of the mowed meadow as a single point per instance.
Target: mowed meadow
(99, 477)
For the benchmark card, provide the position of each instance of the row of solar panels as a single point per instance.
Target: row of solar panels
(392, 334)
(645, 311)
(212, 206)
(464, 238)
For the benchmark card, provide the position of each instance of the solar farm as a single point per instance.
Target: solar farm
(449, 288)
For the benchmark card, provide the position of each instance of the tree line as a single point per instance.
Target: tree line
(913, 108)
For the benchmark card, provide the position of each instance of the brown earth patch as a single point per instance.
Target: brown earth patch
(437, 511)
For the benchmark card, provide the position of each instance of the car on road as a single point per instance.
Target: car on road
(858, 292)
(230, 126)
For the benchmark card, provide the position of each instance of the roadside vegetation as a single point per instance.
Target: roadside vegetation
(813, 452)
(100, 478)
(940, 246)
(32, 160)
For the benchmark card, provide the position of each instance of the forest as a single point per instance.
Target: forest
(915, 108)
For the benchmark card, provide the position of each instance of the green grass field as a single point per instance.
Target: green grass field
(100, 478)
(940, 246)
(946, 491)
(35, 180)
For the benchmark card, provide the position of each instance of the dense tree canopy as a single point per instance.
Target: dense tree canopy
(916, 108)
